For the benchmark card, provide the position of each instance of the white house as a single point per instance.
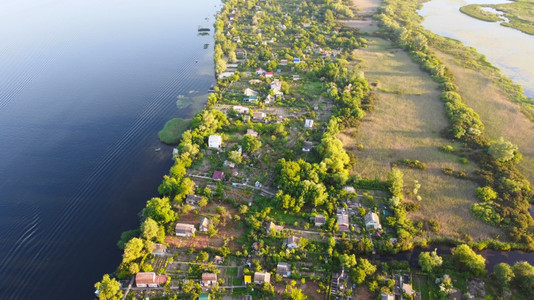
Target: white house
(204, 223)
(209, 280)
(250, 92)
(240, 109)
(283, 269)
(343, 222)
(372, 221)
(292, 242)
(307, 146)
(186, 230)
(149, 279)
(159, 249)
(214, 141)
(261, 278)
(276, 86)
(308, 123)
(252, 132)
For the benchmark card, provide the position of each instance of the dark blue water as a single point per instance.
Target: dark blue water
(84, 88)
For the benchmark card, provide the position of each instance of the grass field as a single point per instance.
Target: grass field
(406, 123)
(500, 116)
(173, 130)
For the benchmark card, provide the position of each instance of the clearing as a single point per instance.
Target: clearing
(406, 124)
(500, 116)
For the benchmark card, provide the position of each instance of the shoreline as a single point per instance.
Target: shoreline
(194, 159)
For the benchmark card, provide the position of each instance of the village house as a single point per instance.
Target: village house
(296, 77)
(388, 296)
(214, 141)
(258, 116)
(292, 242)
(271, 227)
(349, 189)
(217, 175)
(228, 164)
(252, 132)
(193, 200)
(209, 280)
(159, 249)
(320, 220)
(226, 75)
(283, 269)
(296, 60)
(269, 74)
(250, 92)
(240, 109)
(372, 221)
(218, 260)
(307, 146)
(261, 278)
(204, 223)
(283, 62)
(343, 222)
(260, 71)
(251, 99)
(149, 279)
(269, 99)
(308, 123)
(276, 86)
(185, 230)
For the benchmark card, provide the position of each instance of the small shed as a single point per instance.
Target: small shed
(260, 277)
(214, 141)
(218, 175)
(308, 123)
(320, 220)
(307, 146)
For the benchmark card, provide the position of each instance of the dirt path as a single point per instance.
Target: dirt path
(364, 21)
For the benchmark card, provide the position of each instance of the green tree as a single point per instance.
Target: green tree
(133, 250)
(160, 210)
(348, 261)
(429, 261)
(294, 293)
(502, 150)
(524, 277)
(396, 182)
(503, 273)
(250, 144)
(235, 157)
(203, 256)
(151, 231)
(469, 260)
(485, 193)
(203, 201)
(108, 289)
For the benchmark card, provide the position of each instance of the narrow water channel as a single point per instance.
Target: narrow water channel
(508, 49)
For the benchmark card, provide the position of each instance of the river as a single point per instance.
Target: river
(508, 49)
(84, 88)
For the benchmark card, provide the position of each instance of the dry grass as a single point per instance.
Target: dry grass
(367, 7)
(406, 124)
(500, 116)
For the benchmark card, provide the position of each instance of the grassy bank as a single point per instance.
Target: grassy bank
(476, 11)
(173, 130)
(406, 124)
(520, 14)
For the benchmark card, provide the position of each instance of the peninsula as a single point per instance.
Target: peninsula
(337, 136)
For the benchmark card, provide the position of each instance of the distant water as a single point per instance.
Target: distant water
(506, 48)
(84, 88)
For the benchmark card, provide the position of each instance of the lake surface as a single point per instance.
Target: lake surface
(84, 88)
(506, 48)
